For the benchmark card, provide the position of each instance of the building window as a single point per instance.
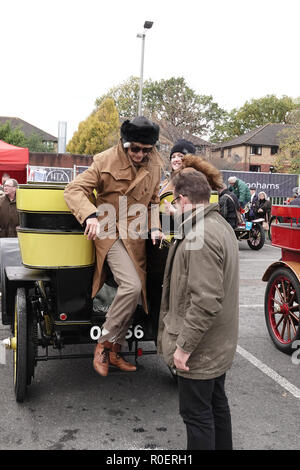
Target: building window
(274, 149)
(229, 152)
(255, 168)
(255, 150)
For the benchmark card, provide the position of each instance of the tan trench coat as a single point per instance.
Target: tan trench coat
(113, 176)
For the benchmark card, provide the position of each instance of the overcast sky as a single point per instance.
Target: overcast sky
(58, 56)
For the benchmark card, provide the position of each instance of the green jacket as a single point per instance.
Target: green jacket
(241, 190)
(199, 308)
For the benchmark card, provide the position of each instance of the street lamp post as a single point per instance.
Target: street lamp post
(147, 25)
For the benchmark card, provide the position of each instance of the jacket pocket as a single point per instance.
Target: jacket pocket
(138, 192)
(172, 326)
(173, 323)
(178, 294)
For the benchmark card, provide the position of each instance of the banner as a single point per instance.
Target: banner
(273, 184)
(44, 174)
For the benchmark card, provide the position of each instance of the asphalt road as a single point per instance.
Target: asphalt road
(70, 407)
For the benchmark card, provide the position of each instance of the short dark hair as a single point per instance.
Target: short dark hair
(193, 184)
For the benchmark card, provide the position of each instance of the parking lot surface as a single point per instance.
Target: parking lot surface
(70, 407)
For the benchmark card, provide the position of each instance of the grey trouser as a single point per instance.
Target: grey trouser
(120, 313)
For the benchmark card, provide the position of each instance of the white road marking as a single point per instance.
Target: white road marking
(256, 260)
(252, 306)
(269, 372)
(272, 246)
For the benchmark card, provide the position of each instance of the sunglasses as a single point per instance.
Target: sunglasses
(173, 203)
(137, 149)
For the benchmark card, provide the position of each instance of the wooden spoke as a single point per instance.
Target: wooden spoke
(288, 329)
(283, 327)
(277, 325)
(275, 300)
(279, 294)
(292, 325)
(294, 316)
(283, 290)
(292, 298)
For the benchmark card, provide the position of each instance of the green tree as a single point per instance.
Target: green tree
(34, 142)
(125, 96)
(98, 132)
(171, 100)
(253, 114)
(288, 157)
(12, 136)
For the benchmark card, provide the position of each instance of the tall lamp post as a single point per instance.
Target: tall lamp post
(147, 25)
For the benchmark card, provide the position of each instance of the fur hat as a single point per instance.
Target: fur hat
(213, 175)
(141, 130)
(183, 146)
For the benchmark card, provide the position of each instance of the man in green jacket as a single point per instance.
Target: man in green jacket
(240, 189)
(198, 327)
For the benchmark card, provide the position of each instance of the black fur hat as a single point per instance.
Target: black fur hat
(141, 130)
(183, 146)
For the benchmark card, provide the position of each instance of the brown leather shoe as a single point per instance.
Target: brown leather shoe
(115, 359)
(101, 358)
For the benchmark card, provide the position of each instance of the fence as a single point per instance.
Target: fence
(278, 186)
(47, 174)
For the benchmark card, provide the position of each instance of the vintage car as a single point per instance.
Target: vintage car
(282, 296)
(46, 283)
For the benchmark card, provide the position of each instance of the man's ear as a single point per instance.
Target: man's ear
(182, 201)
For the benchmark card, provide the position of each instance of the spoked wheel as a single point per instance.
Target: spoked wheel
(282, 310)
(257, 237)
(20, 349)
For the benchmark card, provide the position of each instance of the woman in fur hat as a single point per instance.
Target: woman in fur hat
(183, 156)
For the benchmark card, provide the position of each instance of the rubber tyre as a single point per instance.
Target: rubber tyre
(292, 288)
(20, 353)
(32, 345)
(251, 241)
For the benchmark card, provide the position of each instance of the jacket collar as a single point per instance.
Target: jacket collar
(123, 157)
(11, 201)
(126, 164)
(191, 217)
(214, 207)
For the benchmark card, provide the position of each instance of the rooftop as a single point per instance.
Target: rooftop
(28, 129)
(268, 135)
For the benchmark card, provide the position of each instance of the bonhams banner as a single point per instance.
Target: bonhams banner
(273, 184)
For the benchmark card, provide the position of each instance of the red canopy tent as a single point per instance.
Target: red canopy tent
(13, 160)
